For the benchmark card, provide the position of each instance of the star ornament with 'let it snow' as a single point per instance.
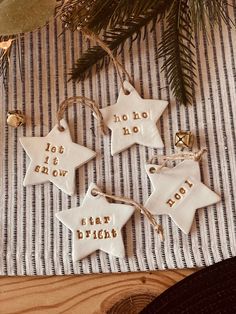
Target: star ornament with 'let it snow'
(178, 192)
(54, 158)
(132, 120)
(96, 225)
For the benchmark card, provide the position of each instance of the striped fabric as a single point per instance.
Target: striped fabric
(32, 240)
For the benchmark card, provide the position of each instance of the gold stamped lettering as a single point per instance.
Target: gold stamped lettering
(190, 184)
(61, 150)
(181, 193)
(98, 221)
(55, 173)
(126, 131)
(177, 196)
(114, 233)
(91, 220)
(53, 149)
(106, 234)
(44, 170)
(95, 235)
(125, 117)
(117, 118)
(88, 233)
(100, 235)
(48, 146)
(135, 129)
(80, 234)
(107, 219)
(145, 115)
(46, 160)
(136, 115)
(182, 190)
(55, 161)
(63, 173)
(37, 169)
(170, 202)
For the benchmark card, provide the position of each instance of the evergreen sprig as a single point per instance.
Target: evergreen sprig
(176, 49)
(119, 20)
(114, 39)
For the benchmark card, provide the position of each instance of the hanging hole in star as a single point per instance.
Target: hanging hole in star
(127, 92)
(152, 170)
(94, 193)
(61, 128)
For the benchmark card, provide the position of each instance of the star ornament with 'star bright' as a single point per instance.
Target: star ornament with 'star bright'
(179, 192)
(132, 120)
(54, 158)
(96, 225)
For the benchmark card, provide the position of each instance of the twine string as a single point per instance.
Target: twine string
(118, 66)
(157, 227)
(82, 101)
(196, 156)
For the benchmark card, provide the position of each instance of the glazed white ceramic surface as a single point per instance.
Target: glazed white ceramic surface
(133, 119)
(54, 158)
(105, 217)
(179, 192)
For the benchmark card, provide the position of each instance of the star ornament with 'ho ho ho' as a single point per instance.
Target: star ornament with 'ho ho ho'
(54, 158)
(179, 192)
(96, 225)
(132, 120)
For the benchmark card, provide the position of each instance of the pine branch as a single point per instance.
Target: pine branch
(115, 38)
(106, 14)
(206, 13)
(176, 48)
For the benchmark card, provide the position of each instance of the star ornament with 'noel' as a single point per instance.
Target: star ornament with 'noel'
(132, 120)
(54, 158)
(96, 225)
(179, 192)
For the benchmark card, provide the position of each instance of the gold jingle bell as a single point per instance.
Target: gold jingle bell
(184, 139)
(15, 118)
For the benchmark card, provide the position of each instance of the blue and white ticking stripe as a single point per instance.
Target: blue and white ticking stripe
(32, 241)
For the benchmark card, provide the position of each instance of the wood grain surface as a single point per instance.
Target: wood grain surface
(116, 293)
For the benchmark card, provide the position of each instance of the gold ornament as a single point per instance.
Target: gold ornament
(15, 118)
(184, 139)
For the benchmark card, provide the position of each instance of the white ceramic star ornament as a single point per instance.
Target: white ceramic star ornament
(54, 158)
(133, 119)
(179, 192)
(96, 225)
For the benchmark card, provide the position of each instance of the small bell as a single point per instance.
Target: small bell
(184, 139)
(15, 118)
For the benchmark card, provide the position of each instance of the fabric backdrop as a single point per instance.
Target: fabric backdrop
(32, 240)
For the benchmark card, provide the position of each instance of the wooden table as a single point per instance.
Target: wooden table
(116, 293)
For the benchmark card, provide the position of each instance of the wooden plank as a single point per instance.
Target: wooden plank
(111, 293)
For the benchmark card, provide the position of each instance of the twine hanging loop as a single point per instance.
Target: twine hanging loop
(82, 101)
(196, 156)
(157, 227)
(118, 66)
